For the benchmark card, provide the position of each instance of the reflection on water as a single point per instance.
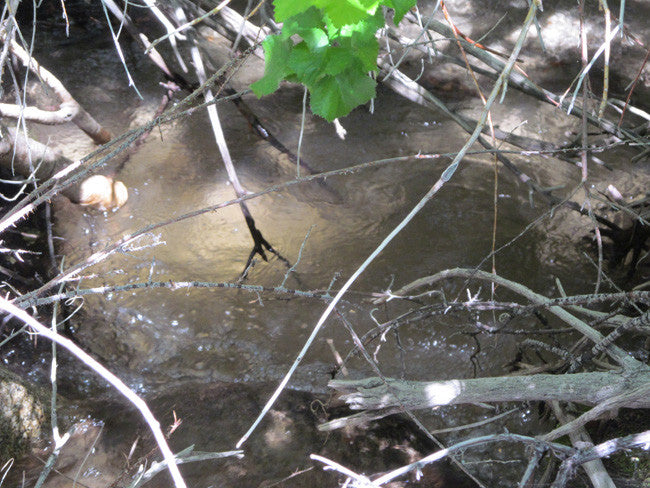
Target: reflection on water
(166, 342)
(238, 335)
(325, 230)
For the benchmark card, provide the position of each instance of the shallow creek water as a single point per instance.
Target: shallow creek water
(173, 344)
(235, 335)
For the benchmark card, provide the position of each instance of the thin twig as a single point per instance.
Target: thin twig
(80, 354)
(446, 175)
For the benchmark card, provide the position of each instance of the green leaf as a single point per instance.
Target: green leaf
(400, 7)
(283, 9)
(339, 59)
(276, 57)
(316, 39)
(366, 52)
(336, 49)
(307, 65)
(343, 12)
(364, 44)
(311, 18)
(336, 96)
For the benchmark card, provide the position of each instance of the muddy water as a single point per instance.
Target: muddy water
(188, 338)
(327, 231)
(238, 336)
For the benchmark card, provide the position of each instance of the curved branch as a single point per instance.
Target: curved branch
(599, 451)
(137, 402)
(70, 109)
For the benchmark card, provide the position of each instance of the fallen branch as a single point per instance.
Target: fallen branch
(623, 399)
(618, 354)
(595, 469)
(585, 388)
(525, 85)
(33, 160)
(70, 109)
(605, 449)
(143, 40)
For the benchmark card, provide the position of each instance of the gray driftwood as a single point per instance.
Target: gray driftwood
(585, 388)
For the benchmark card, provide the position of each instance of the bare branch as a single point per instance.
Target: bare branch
(585, 388)
(614, 351)
(137, 402)
(580, 439)
(70, 108)
(32, 159)
(599, 451)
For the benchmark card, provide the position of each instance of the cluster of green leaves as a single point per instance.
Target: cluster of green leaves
(336, 49)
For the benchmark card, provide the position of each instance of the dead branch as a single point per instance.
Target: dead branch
(522, 83)
(617, 353)
(640, 440)
(143, 40)
(595, 469)
(33, 160)
(621, 400)
(70, 109)
(34, 114)
(585, 388)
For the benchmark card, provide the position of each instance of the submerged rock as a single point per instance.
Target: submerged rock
(21, 416)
